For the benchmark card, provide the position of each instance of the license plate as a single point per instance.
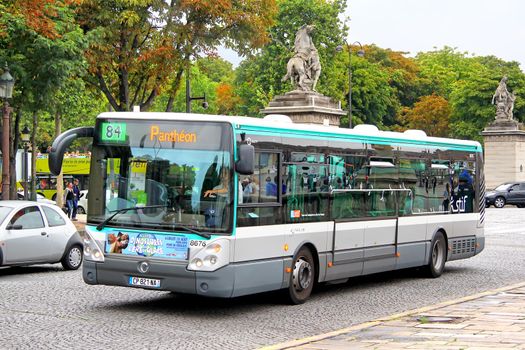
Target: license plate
(144, 282)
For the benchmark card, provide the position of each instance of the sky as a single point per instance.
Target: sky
(481, 27)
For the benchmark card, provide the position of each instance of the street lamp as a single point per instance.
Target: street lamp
(188, 94)
(360, 53)
(7, 82)
(24, 136)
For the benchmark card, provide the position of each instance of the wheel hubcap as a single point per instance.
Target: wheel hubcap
(302, 275)
(75, 257)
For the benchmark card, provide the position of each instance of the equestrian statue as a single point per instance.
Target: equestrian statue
(304, 68)
(504, 100)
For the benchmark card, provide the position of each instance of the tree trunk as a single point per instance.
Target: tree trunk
(34, 130)
(60, 178)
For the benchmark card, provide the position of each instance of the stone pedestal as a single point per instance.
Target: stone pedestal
(306, 107)
(504, 150)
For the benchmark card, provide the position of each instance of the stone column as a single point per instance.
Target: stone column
(504, 150)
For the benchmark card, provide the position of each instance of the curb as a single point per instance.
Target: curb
(315, 338)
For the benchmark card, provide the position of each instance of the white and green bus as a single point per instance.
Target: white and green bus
(226, 206)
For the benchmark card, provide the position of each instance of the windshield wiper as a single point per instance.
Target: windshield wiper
(105, 222)
(192, 230)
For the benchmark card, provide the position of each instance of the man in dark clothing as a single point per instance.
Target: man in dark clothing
(76, 197)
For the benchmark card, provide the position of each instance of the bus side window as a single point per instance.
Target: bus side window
(463, 185)
(259, 197)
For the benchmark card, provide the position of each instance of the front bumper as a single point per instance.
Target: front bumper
(173, 276)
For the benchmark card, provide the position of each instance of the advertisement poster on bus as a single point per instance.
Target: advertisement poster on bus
(147, 244)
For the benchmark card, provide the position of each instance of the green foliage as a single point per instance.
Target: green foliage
(201, 84)
(373, 99)
(42, 64)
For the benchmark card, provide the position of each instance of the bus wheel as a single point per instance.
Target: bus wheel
(302, 277)
(54, 197)
(438, 256)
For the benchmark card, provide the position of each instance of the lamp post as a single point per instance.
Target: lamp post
(360, 53)
(7, 83)
(188, 94)
(24, 136)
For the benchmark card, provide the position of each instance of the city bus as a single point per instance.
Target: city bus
(225, 206)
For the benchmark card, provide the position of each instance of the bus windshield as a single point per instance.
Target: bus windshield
(182, 186)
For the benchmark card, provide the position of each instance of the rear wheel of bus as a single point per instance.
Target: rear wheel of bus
(302, 278)
(438, 256)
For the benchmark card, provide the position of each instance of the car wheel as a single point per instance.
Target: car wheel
(520, 205)
(499, 202)
(438, 257)
(81, 210)
(73, 258)
(302, 278)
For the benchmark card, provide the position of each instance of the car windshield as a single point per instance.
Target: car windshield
(503, 187)
(181, 187)
(4, 211)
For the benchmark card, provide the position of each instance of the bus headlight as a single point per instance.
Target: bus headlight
(92, 251)
(212, 257)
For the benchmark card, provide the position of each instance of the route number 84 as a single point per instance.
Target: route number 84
(110, 131)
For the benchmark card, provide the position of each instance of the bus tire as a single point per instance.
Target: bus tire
(54, 197)
(438, 256)
(302, 278)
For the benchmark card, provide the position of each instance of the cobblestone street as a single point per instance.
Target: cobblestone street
(46, 307)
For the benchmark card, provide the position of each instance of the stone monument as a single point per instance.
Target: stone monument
(504, 141)
(304, 104)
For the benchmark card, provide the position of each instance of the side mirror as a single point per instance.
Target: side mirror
(245, 164)
(13, 227)
(56, 156)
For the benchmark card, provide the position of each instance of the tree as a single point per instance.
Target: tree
(430, 114)
(140, 48)
(44, 47)
(443, 68)
(403, 73)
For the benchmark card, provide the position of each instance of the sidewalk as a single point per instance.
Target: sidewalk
(489, 320)
(81, 222)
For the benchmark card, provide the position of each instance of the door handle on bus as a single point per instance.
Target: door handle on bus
(43, 233)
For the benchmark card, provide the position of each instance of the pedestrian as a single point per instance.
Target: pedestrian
(69, 199)
(76, 197)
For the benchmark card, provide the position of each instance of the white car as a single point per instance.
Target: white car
(36, 233)
(39, 198)
(83, 202)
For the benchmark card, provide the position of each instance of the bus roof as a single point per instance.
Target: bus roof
(283, 125)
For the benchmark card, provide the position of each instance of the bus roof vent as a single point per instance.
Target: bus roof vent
(415, 133)
(278, 118)
(366, 128)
